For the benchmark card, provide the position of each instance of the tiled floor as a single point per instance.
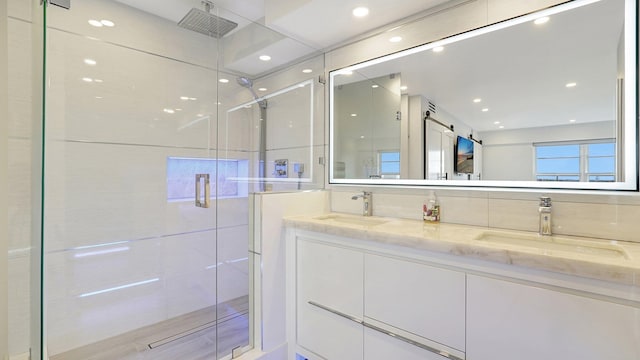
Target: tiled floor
(189, 337)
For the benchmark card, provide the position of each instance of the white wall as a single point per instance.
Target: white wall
(4, 308)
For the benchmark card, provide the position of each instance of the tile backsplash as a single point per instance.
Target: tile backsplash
(604, 216)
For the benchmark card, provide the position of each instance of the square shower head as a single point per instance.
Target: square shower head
(205, 23)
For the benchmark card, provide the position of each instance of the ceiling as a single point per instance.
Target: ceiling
(294, 28)
(520, 73)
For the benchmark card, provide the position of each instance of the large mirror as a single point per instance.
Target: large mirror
(546, 100)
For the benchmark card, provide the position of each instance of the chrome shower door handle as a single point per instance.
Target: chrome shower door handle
(204, 203)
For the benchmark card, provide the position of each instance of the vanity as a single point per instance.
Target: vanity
(386, 288)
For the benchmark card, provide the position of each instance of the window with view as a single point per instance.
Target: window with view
(587, 161)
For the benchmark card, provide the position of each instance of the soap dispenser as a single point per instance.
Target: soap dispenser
(431, 209)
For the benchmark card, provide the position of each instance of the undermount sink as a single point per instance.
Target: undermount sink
(353, 220)
(554, 243)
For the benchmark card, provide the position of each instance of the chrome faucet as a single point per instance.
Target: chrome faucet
(545, 216)
(367, 206)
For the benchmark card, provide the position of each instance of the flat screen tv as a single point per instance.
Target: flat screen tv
(464, 156)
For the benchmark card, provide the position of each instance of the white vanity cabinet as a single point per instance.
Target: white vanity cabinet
(508, 320)
(329, 290)
(411, 298)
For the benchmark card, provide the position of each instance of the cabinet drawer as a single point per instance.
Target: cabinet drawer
(330, 277)
(421, 299)
(379, 346)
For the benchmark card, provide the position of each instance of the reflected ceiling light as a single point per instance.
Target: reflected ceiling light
(307, 71)
(361, 136)
(199, 115)
(395, 39)
(375, 86)
(97, 80)
(438, 49)
(403, 87)
(541, 20)
(119, 287)
(265, 57)
(169, 111)
(360, 11)
(193, 99)
(477, 100)
(87, 79)
(501, 127)
(485, 109)
(354, 115)
(107, 23)
(572, 120)
(184, 98)
(571, 84)
(262, 89)
(95, 23)
(345, 72)
(90, 62)
(496, 122)
(177, 109)
(224, 81)
(98, 97)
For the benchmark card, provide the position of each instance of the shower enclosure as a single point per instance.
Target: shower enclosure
(158, 124)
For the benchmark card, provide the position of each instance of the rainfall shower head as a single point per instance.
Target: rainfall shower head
(204, 22)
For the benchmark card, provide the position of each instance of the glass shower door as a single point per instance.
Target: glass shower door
(132, 260)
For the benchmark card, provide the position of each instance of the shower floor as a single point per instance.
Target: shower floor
(188, 337)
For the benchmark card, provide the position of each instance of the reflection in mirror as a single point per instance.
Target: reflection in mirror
(537, 101)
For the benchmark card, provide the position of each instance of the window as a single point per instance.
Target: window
(389, 162)
(181, 177)
(592, 161)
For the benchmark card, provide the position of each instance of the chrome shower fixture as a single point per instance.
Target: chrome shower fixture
(203, 22)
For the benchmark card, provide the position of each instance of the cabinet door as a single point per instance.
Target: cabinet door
(331, 278)
(420, 299)
(379, 346)
(513, 321)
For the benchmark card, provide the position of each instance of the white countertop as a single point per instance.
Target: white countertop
(609, 260)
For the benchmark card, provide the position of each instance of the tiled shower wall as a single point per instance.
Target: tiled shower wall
(106, 172)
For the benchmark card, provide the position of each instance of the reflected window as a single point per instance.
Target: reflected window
(592, 161)
(181, 177)
(389, 162)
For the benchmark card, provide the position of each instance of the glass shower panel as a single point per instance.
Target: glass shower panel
(130, 260)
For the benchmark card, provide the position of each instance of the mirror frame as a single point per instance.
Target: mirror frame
(630, 140)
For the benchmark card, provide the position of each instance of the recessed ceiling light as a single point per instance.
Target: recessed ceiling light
(571, 84)
(501, 127)
(178, 109)
(98, 97)
(199, 115)
(97, 80)
(224, 81)
(107, 23)
(361, 136)
(485, 109)
(438, 49)
(87, 79)
(360, 11)
(354, 115)
(193, 99)
(262, 89)
(169, 111)
(95, 23)
(395, 39)
(572, 120)
(375, 86)
(307, 71)
(541, 20)
(184, 98)
(265, 57)
(496, 122)
(90, 61)
(477, 100)
(403, 87)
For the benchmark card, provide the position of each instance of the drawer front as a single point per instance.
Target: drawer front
(420, 299)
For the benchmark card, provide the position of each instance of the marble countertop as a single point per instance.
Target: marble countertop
(609, 260)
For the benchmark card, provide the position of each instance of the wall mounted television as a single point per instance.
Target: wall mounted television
(463, 156)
